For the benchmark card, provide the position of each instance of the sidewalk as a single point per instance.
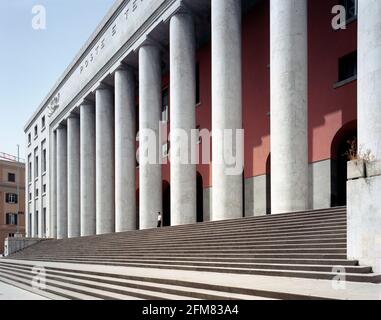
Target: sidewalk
(8, 292)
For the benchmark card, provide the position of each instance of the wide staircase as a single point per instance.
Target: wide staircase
(304, 245)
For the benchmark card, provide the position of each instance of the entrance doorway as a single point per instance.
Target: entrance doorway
(137, 210)
(166, 204)
(200, 198)
(268, 185)
(344, 143)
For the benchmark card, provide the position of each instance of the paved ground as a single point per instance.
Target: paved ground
(8, 292)
(309, 287)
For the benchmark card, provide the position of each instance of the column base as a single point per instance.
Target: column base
(364, 221)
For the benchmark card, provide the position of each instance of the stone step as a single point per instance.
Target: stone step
(239, 241)
(50, 292)
(95, 290)
(311, 232)
(246, 235)
(198, 262)
(172, 232)
(271, 272)
(167, 248)
(318, 216)
(323, 255)
(252, 245)
(187, 251)
(243, 259)
(247, 265)
(113, 288)
(208, 226)
(201, 227)
(287, 218)
(356, 277)
(307, 245)
(189, 285)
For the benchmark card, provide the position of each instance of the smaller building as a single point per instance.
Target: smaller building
(12, 200)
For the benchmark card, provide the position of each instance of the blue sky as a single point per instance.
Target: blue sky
(32, 60)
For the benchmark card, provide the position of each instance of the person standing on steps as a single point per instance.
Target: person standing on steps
(159, 220)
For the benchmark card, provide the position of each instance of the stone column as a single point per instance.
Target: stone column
(364, 186)
(74, 181)
(125, 154)
(150, 175)
(53, 187)
(226, 106)
(369, 77)
(183, 119)
(289, 111)
(88, 204)
(62, 221)
(105, 169)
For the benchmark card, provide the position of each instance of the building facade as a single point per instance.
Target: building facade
(277, 69)
(12, 204)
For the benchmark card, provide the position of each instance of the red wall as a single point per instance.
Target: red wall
(256, 88)
(329, 109)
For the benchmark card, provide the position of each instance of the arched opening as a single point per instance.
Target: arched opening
(166, 204)
(200, 198)
(343, 143)
(268, 184)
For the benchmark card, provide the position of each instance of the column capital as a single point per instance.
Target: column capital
(147, 40)
(103, 86)
(73, 115)
(61, 126)
(182, 8)
(123, 66)
(86, 102)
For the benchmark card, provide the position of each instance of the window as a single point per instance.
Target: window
(36, 193)
(165, 106)
(198, 94)
(350, 7)
(30, 196)
(44, 188)
(44, 223)
(35, 131)
(29, 168)
(11, 235)
(43, 122)
(30, 225)
(11, 177)
(36, 168)
(11, 198)
(29, 138)
(348, 66)
(36, 222)
(44, 161)
(11, 219)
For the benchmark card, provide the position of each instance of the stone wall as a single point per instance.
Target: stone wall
(13, 245)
